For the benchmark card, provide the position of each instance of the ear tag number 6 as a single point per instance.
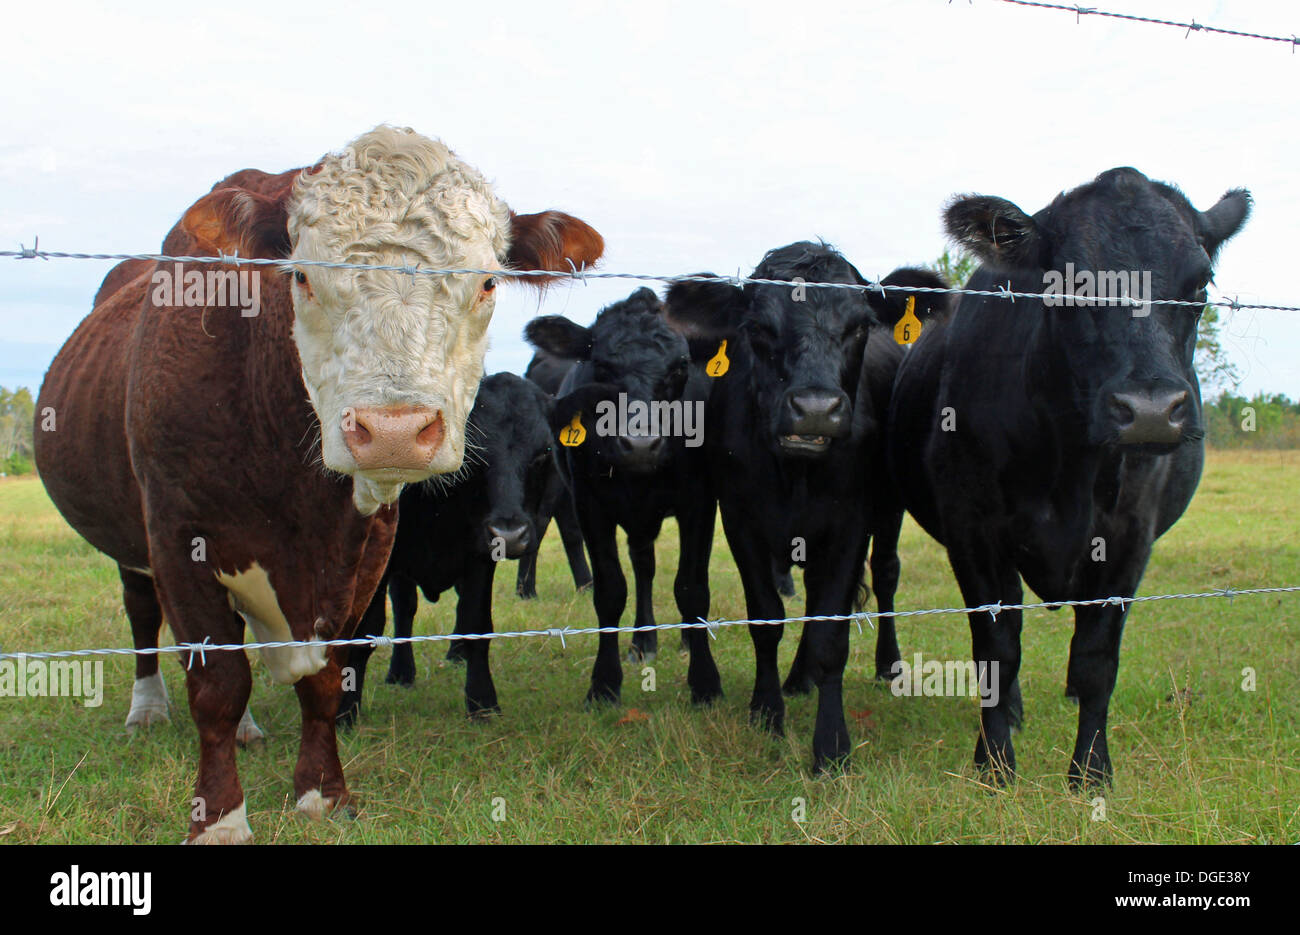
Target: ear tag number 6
(573, 434)
(908, 328)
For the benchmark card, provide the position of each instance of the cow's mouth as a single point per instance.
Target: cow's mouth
(805, 443)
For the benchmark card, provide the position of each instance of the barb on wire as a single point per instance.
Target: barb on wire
(1190, 27)
(712, 626)
(584, 275)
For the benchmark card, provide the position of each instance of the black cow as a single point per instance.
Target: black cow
(795, 455)
(1058, 443)
(548, 372)
(451, 534)
(633, 475)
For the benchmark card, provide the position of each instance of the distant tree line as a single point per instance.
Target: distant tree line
(1267, 420)
(16, 411)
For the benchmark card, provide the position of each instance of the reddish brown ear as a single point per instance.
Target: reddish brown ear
(236, 219)
(549, 240)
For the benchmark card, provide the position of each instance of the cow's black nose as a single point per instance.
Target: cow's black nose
(817, 412)
(640, 452)
(514, 539)
(1150, 417)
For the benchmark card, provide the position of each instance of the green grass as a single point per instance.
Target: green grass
(1197, 758)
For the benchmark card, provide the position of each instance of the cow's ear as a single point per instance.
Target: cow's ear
(709, 309)
(1224, 219)
(995, 230)
(891, 306)
(551, 240)
(581, 402)
(556, 335)
(231, 220)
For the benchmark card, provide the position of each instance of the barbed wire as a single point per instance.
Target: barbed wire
(1190, 27)
(200, 650)
(582, 274)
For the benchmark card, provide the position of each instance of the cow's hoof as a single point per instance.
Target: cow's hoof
(831, 765)
(768, 719)
(637, 657)
(317, 806)
(482, 712)
(402, 677)
(706, 696)
(599, 695)
(248, 733)
(149, 703)
(230, 828)
(584, 587)
(526, 595)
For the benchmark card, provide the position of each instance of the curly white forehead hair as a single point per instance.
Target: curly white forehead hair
(393, 189)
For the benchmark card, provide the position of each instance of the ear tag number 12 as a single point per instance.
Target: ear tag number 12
(573, 434)
(908, 328)
(719, 363)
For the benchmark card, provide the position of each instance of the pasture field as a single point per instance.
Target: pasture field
(1198, 759)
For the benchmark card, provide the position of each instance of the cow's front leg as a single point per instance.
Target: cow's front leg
(474, 615)
(318, 778)
(691, 591)
(762, 602)
(984, 578)
(831, 584)
(645, 642)
(1094, 667)
(609, 595)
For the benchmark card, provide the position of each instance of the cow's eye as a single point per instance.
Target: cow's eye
(300, 277)
(489, 284)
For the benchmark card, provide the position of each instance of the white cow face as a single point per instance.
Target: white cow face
(392, 362)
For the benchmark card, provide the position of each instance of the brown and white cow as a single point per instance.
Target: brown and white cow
(243, 468)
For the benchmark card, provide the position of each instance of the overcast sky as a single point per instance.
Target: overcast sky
(692, 135)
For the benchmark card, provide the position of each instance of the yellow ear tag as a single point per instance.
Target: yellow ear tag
(719, 363)
(908, 328)
(573, 434)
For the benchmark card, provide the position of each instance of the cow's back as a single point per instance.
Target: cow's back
(82, 457)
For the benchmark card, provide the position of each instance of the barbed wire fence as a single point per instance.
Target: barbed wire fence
(1190, 27)
(200, 650)
(583, 274)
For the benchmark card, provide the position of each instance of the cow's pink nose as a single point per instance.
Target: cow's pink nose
(400, 437)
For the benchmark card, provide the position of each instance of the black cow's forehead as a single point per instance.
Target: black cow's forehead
(510, 414)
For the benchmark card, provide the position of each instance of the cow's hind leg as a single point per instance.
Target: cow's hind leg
(149, 703)
(884, 582)
(357, 658)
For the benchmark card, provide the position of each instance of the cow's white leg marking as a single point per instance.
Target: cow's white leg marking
(314, 805)
(148, 703)
(231, 828)
(253, 598)
(248, 732)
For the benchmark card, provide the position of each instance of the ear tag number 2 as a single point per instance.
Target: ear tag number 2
(908, 328)
(573, 434)
(719, 363)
